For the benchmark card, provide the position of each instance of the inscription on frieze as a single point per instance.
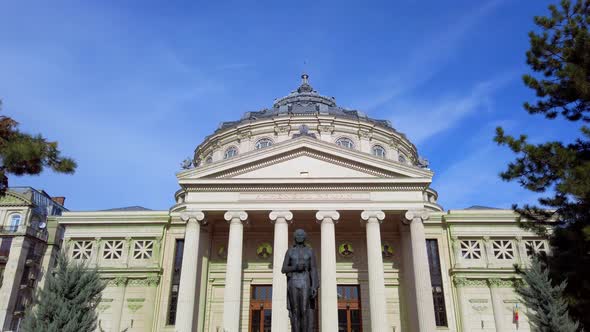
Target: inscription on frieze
(305, 196)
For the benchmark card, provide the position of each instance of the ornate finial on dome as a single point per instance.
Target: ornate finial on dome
(304, 87)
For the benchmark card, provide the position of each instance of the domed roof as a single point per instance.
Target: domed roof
(305, 101)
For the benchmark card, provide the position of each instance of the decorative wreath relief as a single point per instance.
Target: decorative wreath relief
(346, 249)
(387, 250)
(222, 252)
(264, 250)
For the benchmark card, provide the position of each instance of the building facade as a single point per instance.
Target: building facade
(27, 243)
(390, 258)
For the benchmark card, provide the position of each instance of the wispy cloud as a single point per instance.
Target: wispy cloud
(475, 180)
(422, 119)
(423, 62)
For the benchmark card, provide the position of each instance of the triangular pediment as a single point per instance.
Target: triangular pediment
(14, 199)
(304, 158)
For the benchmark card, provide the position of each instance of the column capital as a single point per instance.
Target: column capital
(193, 215)
(376, 215)
(280, 214)
(235, 215)
(323, 215)
(412, 215)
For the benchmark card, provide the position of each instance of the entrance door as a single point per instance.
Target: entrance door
(260, 308)
(349, 308)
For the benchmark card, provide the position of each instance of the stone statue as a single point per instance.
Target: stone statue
(302, 283)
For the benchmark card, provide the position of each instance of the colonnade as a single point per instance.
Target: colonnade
(187, 307)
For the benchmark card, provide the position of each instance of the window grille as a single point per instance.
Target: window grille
(503, 249)
(143, 249)
(112, 249)
(82, 249)
(470, 249)
(534, 247)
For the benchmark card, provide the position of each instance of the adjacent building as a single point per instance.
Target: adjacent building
(390, 257)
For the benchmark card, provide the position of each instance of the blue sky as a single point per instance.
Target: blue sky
(130, 88)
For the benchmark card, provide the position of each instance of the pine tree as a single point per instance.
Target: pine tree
(548, 310)
(22, 153)
(559, 57)
(68, 301)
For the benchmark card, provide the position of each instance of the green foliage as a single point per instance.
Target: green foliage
(23, 153)
(561, 52)
(560, 55)
(68, 301)
(547, 309)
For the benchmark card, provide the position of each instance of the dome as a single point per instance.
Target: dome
(305, 112)
(305, 101)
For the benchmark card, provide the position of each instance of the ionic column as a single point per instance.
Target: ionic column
(232, 295)
(497, 304)
(187, 289)
(375, 263)
(280, 315)
(422, 282)
(328, 287)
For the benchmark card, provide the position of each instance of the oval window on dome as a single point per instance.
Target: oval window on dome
(345, 143)
(263, 143)
(378, 151)
(232, 151)
(209, 159)
(402, 159)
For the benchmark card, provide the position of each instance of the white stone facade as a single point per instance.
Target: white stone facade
(390, 258)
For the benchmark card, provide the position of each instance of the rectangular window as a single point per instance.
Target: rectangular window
(175, 281)
(503, 249)
(112, 249)
(534, 247)
(440, 311)
(82, 249)
(143, 249)
(470, 249)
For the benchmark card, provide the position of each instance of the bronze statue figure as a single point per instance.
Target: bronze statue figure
(302, 283)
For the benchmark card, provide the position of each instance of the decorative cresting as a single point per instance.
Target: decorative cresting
(373, 219)
(328, 288)
(232, 299)
(422, 283)
(188, 278)
(280, 315)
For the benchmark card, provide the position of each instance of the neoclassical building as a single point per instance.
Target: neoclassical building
(390, 258)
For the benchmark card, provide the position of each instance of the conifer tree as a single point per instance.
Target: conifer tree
(559, 57)
(68, 301)
(548, 310)
(22, 153)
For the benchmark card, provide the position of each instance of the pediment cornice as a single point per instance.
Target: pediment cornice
(310, 147)
(14, 199)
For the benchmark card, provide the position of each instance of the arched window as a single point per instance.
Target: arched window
(345, 143)
(378, 151)
(209, 159)
(263, 143)
(402, 159)
(232, 151)
(15, 221)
